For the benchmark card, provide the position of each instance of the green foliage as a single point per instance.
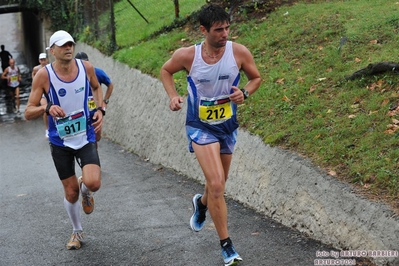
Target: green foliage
(132, 28)
(97, 30)
(305, 104)
(61, 13)
(85, 19)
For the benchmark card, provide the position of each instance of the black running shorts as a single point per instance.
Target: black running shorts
(64, 162)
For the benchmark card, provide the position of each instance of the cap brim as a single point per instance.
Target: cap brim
(64, 41)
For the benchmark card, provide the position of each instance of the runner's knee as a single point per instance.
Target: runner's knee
(215, 189)
(71, 194)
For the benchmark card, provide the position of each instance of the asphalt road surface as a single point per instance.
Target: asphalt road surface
(141, 215)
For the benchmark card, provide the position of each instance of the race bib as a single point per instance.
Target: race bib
(72, 125)
(215, 110)
(91, 103)
(13, 81)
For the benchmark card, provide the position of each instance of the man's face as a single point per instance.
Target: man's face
(12, 63)
(43, 61)
(64, 52)
(218, 34)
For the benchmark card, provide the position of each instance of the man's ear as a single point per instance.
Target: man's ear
(203, 30)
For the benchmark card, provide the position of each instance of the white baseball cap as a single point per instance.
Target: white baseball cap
(60, 38)
(42, 56)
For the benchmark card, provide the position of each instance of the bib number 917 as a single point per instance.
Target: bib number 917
(72, 125)
(70, 129)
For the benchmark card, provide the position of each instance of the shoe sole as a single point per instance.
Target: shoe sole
(88, 212)
(194, 202)
(73, 248)
(192, 224)
(235, 262)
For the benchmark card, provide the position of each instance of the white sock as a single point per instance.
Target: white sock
(73, 210)
(84, 189)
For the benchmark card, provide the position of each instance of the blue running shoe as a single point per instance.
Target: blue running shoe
(230, 255)
(197, 221)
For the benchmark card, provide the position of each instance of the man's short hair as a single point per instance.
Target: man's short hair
(211, 14)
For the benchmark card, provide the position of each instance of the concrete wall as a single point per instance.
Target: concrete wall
(272, 181)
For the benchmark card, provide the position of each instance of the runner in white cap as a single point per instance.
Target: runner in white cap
(42, 62)
(72, 133)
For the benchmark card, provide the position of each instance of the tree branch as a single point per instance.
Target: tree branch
(373, 69)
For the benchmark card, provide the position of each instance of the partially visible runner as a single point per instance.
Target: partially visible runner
(72, 134)
(102, 79)
(5, 57)
(43, 62)
(213, 73)
(13, 76)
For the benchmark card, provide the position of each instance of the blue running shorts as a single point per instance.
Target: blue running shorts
(204, 137)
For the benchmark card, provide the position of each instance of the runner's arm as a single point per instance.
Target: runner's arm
(110, 89)
(34, 71)
(94, 84)
(180, 60)
(4, 75)
(19, 75)
(248, 66)
(97, 95)
(33, 108)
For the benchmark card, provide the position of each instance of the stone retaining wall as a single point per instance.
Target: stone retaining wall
(272, 181)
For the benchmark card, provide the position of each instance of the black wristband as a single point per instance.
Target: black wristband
(48, 107)
(102, 110)
(245, 92)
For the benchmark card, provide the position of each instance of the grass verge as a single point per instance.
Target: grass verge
(305, 104)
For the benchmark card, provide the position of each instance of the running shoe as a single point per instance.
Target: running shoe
(230, 255)
(75, 240)
(197, 221)
(87, 199)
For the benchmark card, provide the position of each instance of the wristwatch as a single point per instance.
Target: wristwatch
(245, 92)
(106, 101)
(102, 109)
(49, 104)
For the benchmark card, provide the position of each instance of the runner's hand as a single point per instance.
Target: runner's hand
(175, 103)
(237, 96)
(56, 111)
(98, 121)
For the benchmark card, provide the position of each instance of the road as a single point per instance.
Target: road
(141, 216)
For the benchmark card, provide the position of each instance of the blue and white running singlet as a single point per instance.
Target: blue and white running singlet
(209, 87)
(75, 130)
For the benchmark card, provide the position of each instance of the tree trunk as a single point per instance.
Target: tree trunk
(177, 9)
